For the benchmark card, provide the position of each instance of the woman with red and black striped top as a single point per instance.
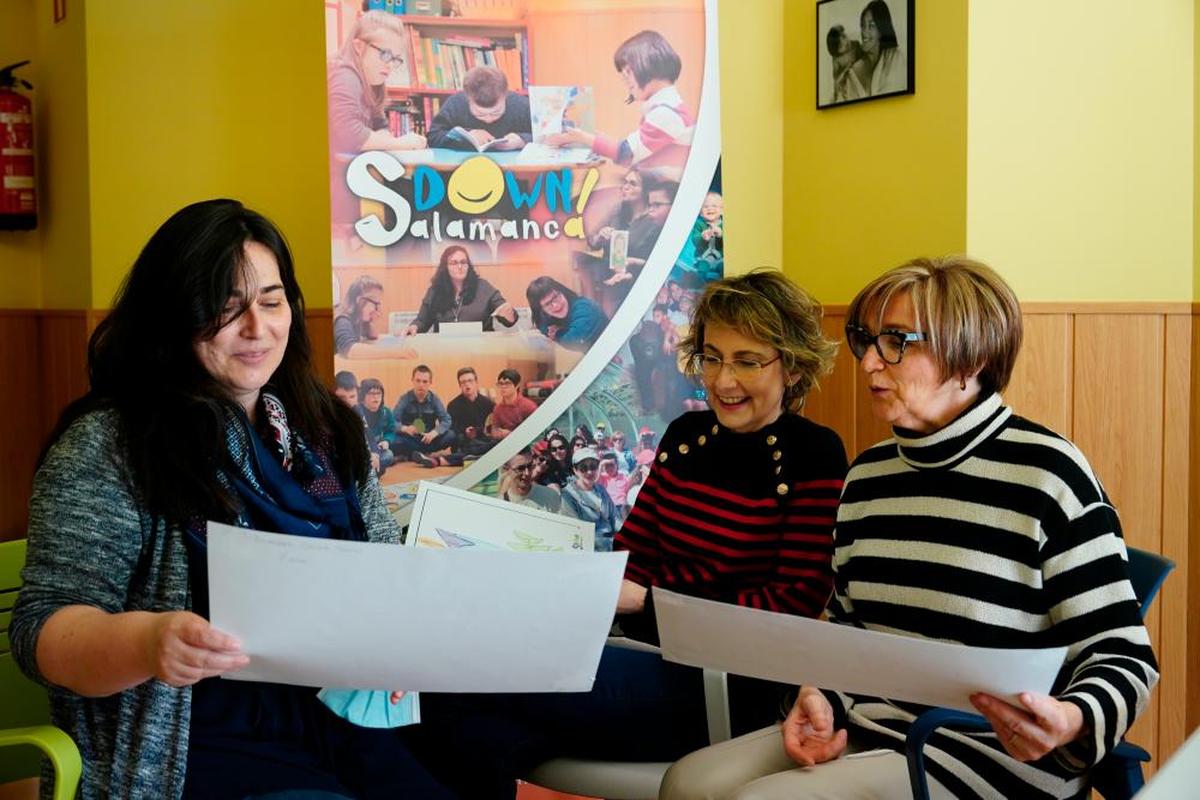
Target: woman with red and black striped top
(739, 507)
(739, 517)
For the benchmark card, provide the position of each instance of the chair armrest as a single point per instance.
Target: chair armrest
(919, 733)
(716, 705)
(58, 747)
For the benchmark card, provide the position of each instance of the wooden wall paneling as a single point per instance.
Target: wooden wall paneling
(832, 403)
(20, 418)
(1118, 405)
(1176, 485)
(63, 336)
(320, 333)
(1191, 577)
(1041, 384)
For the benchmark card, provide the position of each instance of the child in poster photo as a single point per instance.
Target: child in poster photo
(357, 80)
(649, 66)
(487, 110)
(562, 316)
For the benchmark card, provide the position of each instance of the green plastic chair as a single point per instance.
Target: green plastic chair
(24, 711)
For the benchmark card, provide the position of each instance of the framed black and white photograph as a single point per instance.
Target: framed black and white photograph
(864, 50)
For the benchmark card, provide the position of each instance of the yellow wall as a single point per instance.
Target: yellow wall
(1082, 148)
(752, 142)
(62, 137)
(20, 251)
(200, 100)
(870, 185)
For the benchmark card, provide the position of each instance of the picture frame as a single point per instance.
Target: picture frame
(865, 50)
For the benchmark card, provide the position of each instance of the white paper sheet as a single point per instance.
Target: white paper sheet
(1179, 777)
(449, 518)
(790, 649)
(317, 612)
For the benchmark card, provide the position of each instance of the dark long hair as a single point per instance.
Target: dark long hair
(883, 23)
(172, 413)
(539, 288)
(443, 287)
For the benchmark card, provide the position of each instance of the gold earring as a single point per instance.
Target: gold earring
(962, 384)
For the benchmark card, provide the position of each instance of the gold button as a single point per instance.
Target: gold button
(715, 429)
(662, 457)
(702, 440)
(683, 448)
(772, 439)
(778, 470)
(782, 488)
(778, 454)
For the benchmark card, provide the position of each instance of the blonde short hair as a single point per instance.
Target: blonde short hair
(971, 316)
(767, 306)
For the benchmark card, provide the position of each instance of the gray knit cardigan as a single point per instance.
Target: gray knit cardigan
(91, 542)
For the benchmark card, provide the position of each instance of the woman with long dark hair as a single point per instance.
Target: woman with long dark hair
(564, 317)
(881, 51)
(458, 294)
(202, 406)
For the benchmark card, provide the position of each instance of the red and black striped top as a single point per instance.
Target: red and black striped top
(742, 518)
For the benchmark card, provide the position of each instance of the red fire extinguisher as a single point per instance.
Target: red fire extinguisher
(18, 204)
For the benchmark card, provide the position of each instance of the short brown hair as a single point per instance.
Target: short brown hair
(768, 306)
(971, 316)
(486, 86)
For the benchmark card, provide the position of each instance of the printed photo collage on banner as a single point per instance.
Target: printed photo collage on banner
(498, 186)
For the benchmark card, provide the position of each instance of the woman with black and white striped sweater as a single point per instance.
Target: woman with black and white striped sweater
(971, 525)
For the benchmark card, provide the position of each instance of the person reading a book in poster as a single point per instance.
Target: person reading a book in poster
(738, 507)
(969, 525)
(485, 115)
(469, 413)
(512, 407)
(562, 316)
(234, 427)
(423, 433)
(357, 80)
(457, 294)
(354, 322)
(649, 67)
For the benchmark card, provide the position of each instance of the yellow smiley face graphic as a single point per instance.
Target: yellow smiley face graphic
(476, 186)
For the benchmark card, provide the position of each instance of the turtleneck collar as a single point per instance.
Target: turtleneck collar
(953, 443)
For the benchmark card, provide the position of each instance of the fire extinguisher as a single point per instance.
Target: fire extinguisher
(18, 204)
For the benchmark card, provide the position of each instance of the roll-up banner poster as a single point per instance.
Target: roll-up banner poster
(525, 206)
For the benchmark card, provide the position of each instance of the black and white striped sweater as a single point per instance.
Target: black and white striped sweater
(993, 532)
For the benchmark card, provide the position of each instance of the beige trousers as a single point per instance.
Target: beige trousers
(754, 767)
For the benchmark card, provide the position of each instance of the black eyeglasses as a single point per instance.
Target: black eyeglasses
(588, 466)
(889, 344)
(373, 301)
(386, 56)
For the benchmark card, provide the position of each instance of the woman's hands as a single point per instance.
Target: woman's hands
(411, 330)
(632, 598)
(808, 735)
(182, 648)
(1029, 733)
(506, 312)
(409, 141)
